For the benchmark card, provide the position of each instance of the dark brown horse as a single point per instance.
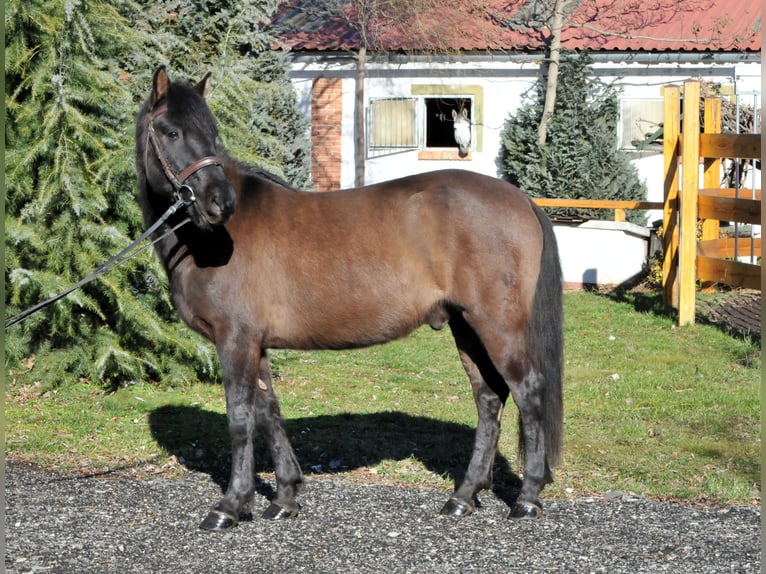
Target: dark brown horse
(266, 266)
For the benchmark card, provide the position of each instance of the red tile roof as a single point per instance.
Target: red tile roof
(504, 25)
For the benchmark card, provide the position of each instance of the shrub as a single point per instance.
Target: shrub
(580, 160)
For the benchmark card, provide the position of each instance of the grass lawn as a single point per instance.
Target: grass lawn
(651, 409)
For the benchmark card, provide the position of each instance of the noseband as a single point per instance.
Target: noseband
(183, 190)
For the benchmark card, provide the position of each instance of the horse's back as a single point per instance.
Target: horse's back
(424, 218)
(475, 222)
(439, 202)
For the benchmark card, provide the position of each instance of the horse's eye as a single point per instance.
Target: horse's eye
(173, 134)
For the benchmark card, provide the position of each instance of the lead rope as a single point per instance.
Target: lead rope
(114, 261)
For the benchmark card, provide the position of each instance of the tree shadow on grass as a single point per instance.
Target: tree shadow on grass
(328, 444)
(718, 309)
(643, 299)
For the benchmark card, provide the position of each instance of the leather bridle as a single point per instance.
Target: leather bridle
(182, 189)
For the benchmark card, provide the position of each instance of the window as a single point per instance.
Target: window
(425, 121)
(640, 122)
(440, 132)
(392, 124)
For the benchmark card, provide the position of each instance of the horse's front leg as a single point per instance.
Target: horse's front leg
(250, 402)
(287, 469)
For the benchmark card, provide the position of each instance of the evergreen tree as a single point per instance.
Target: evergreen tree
(251, 97)
(76, 73)
(69, 200)
(580, 159)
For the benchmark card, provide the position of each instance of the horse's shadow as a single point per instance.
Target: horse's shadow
(329, 444)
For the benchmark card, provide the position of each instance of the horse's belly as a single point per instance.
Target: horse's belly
(351, 322)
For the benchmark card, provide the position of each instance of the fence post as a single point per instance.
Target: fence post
(711, 170)
(671, 125)
(687, 226)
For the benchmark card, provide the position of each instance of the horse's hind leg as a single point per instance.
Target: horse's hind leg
(510, 356)
(497, 361)
(250, 402)
(490, 393)
(528, 394)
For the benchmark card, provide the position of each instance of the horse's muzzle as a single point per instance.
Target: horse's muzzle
(214, 205)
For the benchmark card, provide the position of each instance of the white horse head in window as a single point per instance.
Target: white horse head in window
(462, 131)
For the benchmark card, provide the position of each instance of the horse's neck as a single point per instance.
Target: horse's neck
(213, 247)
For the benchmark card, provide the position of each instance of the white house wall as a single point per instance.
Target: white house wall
(501, 95)
(506, 84)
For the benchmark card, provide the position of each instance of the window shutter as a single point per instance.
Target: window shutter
(393, 123)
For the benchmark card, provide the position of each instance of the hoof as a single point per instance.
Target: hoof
(523, 510)
(218, 520)
(455, 507)
(277, 512)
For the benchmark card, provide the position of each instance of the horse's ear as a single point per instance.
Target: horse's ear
(464, 113)
(203, 86)
(160, 85)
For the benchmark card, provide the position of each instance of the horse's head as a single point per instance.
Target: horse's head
(462, 131)
(176, 151)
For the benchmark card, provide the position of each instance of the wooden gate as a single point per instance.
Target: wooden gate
(688, 257)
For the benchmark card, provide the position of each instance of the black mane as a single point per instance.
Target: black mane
(184, 102)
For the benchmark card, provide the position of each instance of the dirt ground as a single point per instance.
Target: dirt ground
(737, 311)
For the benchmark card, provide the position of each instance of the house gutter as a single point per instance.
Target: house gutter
(306, 66)
(319, 58)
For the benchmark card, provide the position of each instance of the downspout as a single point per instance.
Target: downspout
(360, 142)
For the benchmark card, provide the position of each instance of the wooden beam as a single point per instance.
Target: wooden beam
(711, 170)
(670, 152)
(728, 209)
(727, 145)
(730, 145)
(711, 167)
(687, 232)
(597, 203)
(743, 193)
(731, 273)
(722, 248)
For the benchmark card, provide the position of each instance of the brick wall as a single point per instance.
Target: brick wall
(326, 118)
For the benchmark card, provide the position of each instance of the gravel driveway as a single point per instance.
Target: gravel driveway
(57, 523)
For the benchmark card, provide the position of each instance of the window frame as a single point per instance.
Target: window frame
(654, 117)
(425, 119)
(372, 128)
(419, 93)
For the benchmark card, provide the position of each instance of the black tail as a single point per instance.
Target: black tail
(546, 339)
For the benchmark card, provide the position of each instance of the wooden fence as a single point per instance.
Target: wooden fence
(686, 257)
(619, 206)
